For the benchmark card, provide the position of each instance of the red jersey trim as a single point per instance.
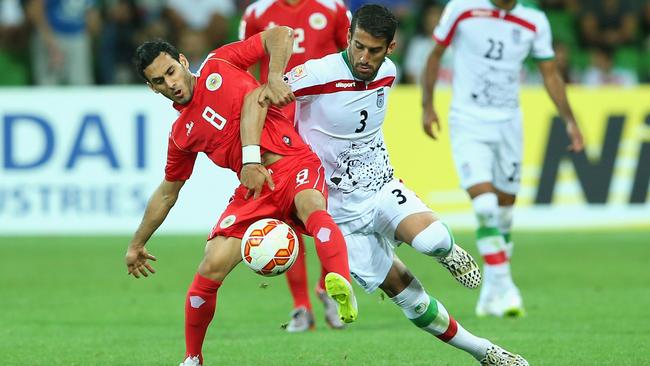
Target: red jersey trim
(485, 13)
(344, 85)
(177, 146)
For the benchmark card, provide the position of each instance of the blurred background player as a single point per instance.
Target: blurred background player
(375, 210)
(320, 28)
(61, 45)
(491, 39)
(211, 121)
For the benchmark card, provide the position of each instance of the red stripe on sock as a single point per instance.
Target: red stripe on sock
(496, 258)
(450, 332)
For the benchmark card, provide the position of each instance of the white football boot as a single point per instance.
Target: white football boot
(504, 301)
(497, 356)
(462, 266)
(331, 314)
(191, 361)
(301, 320)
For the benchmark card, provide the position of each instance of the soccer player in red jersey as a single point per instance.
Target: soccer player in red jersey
(320, 28)
(275, 167)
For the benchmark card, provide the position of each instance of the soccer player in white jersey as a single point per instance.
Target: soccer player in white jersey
(341, 106)
(491, 39)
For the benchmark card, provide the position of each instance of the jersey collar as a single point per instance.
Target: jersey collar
(346, 59)
(500, 8)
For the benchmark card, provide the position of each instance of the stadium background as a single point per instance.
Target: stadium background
(80, 161)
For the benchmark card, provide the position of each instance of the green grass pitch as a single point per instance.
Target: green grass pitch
(68, 301)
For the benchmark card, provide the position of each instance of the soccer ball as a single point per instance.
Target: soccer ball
(269, 247)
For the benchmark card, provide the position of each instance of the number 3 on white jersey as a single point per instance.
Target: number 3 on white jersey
(298, 38)
(214, 118)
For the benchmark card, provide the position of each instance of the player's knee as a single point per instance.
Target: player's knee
(307, 202)
(486, 208)
(435, 240)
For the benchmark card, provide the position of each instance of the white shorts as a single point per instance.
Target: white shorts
(487, 152)
(371, 238)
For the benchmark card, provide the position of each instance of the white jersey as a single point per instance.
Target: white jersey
(490, 45)
(341, 118)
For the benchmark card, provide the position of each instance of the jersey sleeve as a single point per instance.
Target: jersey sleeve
(342, 25)
(303, 83)
(180, 163)
(242, 54)
(543, 43)
(444, 31)
(247, 25)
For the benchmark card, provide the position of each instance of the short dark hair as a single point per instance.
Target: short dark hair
(375, 19)
(148, 51)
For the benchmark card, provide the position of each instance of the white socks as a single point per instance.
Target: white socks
(436, 240)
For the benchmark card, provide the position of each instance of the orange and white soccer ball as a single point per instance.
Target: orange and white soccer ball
(269, 247)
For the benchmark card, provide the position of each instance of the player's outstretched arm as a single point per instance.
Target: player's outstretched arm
(557, 90)
(160, 203)
(429, 116)
(278, 44)
(253, 174)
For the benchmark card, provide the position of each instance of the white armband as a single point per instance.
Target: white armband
(250, 154)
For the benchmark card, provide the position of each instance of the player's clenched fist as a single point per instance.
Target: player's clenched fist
(136, 261)
(276, 92)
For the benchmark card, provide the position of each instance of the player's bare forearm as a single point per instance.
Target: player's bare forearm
(278, 44)
(252, 118)
(556, 89)
(430, 122)
(159, 205)
(430, 75)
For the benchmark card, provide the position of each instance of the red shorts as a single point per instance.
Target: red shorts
(291, 175)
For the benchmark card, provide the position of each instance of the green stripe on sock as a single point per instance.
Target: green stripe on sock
(484, 232)
(429, 315)
(506, 237)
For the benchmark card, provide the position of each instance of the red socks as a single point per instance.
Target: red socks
(200, 305)
(330, 244)
(297, 278)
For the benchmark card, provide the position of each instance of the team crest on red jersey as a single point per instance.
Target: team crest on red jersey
(213, 82)
(318, 21)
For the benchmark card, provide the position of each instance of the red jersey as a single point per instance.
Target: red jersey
(209, 122)
(320, 27)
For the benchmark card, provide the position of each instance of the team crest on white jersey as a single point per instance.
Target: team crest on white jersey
(380, 98)
(296, 74)
(318, 21)
(213, 82)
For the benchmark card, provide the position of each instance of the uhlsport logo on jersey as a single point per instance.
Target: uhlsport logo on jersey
(345, 85)
(189, 127)
(380, 98)
(318, 21)
(213, 82)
